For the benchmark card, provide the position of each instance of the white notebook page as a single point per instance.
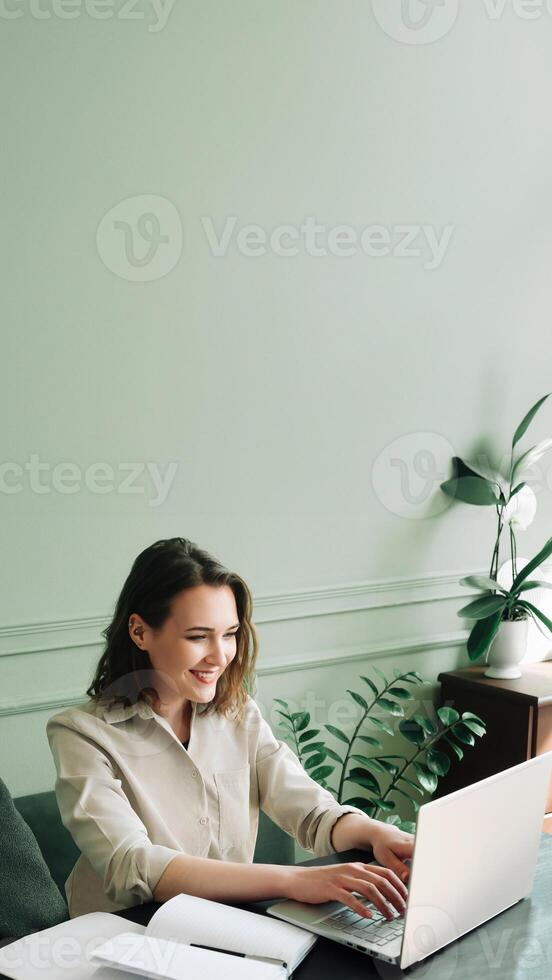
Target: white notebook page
(190, 919)
(165, 960)
(62, 952)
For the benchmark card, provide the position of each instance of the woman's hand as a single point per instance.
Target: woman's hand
(336, 882)
(392, 847)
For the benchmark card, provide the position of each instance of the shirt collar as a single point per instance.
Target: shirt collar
(114, 713)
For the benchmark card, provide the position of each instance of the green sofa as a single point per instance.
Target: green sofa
(40, 812)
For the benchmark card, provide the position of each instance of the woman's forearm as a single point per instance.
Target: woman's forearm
(220, 880)
(353, 830)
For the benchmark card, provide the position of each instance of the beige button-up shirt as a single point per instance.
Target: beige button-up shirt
(133, 797)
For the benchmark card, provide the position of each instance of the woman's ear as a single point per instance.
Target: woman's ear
(136, 629)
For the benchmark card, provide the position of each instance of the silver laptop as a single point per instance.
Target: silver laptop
(475, 855)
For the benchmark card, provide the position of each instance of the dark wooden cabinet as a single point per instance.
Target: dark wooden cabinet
(518, 716)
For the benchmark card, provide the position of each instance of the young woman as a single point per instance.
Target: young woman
(162, 773)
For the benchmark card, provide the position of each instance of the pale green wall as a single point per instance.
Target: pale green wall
(274, 382)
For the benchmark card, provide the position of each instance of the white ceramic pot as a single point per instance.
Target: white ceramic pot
(507, 649)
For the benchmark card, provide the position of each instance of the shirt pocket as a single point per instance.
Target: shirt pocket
(233, 792)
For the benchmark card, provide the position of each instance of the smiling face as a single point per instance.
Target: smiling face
(195, 644)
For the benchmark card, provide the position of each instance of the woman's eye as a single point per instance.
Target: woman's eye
(203, 637)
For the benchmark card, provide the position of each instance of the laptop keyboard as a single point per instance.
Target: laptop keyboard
(377, 930)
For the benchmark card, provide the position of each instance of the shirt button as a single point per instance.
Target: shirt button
(203, 820)
(194, 772)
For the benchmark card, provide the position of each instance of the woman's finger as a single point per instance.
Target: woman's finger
(390, 860)
(370, 891)
(391, 876)
(389, 892)
(353, 903)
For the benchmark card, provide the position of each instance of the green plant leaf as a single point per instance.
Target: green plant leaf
(306, 736)
(380, 723)
(368, 762)
(534, 583)
(408, 827)
(283, 714)
(392, 707)
(470, 714)
(474, 726)
(536, 612)
(463, 734)
(425, 723)
(361, 802)
(279, 701)
(415, 805)
(315, 760)
(412, 731)
(370, 740)
(426, 778)
(334, 755)
(337, 733)
(286, 727)
(390, 767)
(380, 674)
(482, 635)
(482, 582)
(358, 698)
(418, 679)
(401, 792)
(543, 554)
(313, 747)
(300, 720)
(519, 487)
(362, 777)
(371, 684)
(322, 772)
(385, 804)
(472, 490)
(438, 762)
(411, 782)
(483, 608)
(401, 692)
(526, 422)
(530, 457)
(457, 750)
(393, 819)
(448, 715)
(460, 468)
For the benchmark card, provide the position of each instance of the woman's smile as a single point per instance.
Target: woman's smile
(204, 677)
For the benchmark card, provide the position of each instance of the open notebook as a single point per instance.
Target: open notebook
(170, 947)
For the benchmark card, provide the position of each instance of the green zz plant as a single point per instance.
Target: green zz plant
(428, 753)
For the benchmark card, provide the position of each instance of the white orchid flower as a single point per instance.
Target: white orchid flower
(520, 509)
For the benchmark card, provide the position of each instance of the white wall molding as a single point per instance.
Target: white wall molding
(28, 638)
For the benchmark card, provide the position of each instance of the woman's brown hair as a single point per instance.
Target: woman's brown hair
(159, 574)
